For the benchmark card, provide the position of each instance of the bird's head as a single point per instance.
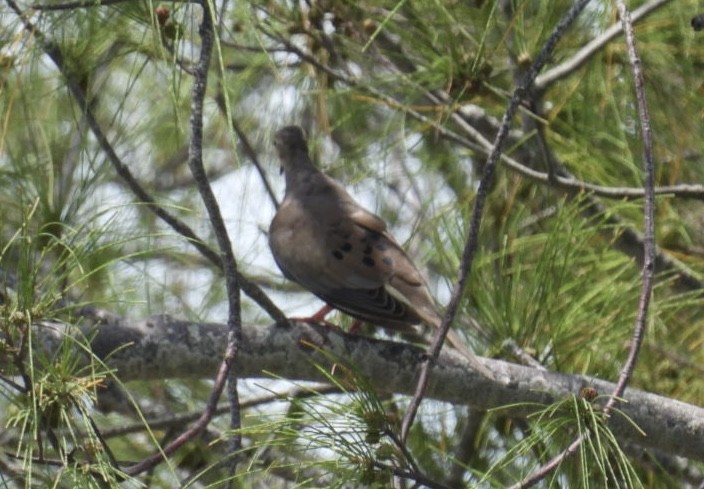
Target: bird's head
(290, 143)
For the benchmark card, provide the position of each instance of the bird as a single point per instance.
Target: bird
(322, 239)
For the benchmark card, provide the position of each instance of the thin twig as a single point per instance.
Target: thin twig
(564, 69)
(472, 241)
(648, 268)
(197, 427)
(248, 287)
(92, 4)
(181, 419)
(407, 455)
(546, 469)
(564, 181)
(626, 240)
(227, 263)
(247, 147)
(195, 163)
(419, 479)
(484, 146)
(76, 5)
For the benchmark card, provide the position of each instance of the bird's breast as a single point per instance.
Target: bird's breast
(296, 240)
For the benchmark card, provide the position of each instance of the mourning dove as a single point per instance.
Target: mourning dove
(329, 244)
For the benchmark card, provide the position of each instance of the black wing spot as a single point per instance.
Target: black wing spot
(346, 247)
(387, 261)
(338, 254)
(367, 250)
(368, 261)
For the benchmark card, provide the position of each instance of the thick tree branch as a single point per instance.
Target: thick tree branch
(162, 347)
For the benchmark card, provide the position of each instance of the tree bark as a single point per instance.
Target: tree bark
(162, 347)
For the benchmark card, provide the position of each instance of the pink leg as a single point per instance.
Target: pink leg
(318, 317)
(356, 326)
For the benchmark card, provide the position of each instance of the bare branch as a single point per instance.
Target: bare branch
(162, 347)
(248, 149)
(648, 268)
(79, 4)
(472, 240)
(544, 81)
(94, 3)
(627, 240)
(248, 287)
(229, 263)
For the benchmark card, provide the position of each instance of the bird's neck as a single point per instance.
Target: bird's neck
(299, 169)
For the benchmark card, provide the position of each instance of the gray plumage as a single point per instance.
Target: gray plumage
(326, 242)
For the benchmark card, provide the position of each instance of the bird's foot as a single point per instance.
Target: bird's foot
(318, 318)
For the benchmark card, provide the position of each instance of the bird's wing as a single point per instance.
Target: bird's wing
(366, 273)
